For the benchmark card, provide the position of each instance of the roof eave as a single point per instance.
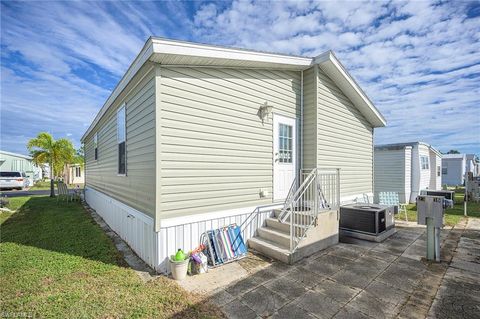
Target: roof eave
(333, 67)
(142, 57)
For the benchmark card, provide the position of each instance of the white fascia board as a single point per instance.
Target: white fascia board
(217, 52)
(329, 58)
(159, 46)
(139, 61)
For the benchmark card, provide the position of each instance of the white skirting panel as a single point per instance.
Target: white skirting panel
(187, 236)
(134, 227)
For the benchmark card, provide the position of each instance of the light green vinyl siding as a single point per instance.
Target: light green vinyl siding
(137, 189)
(215, 152)
(344, 138)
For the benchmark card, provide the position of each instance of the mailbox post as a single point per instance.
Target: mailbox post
(430, 211)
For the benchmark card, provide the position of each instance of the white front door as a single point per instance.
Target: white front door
(284, 155)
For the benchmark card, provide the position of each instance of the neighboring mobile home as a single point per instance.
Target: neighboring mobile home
(13, 162)
(454, 167)
(74, 174)
(407, 168)
(472, 163)
(198, 136)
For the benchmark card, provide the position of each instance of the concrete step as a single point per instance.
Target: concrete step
(270, 249)
(277, 211)
(301, 217)
(273, 222)
(274, 235)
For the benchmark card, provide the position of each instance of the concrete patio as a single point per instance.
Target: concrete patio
(356, 279)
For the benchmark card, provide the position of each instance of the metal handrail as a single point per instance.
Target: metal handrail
(243, 226)
(282, 217)
(308, 201)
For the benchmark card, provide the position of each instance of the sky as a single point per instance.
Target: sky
(419, 62)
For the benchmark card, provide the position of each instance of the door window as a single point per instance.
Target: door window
(285, 147)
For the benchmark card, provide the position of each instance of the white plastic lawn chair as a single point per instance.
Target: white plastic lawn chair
(392, 199)
(365, 199)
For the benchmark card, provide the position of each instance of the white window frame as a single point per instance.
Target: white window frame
(424, 162)
(122, 139)
(95, 146)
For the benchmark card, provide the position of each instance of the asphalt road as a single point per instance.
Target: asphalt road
(16, 193)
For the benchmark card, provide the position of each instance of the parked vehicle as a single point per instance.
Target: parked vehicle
(13, 180)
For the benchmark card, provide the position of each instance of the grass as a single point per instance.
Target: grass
(42, 185)
(56, 262)
(45, 185)
(452, 215)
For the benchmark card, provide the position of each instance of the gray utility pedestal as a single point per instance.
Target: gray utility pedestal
(430, 211)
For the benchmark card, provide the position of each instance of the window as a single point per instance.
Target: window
(95, 145)
(424, 162)
(285, 147)
(121, 138)
(439, 170)
(78, 172)
(10, 174)
(444, 171)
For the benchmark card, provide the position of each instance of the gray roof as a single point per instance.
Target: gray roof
(397, 146)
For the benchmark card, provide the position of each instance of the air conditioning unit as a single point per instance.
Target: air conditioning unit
(367, 221)
(447, 194)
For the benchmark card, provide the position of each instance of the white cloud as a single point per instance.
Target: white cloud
(418, 61)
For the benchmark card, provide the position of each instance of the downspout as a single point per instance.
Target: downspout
(301, 121)
(84, 172)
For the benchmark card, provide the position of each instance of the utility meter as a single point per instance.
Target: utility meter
(430, 206)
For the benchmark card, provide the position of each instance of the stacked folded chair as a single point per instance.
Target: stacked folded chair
(224, 245)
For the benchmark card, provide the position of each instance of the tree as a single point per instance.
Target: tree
(453, 152)
(79, 157)
(45, 149)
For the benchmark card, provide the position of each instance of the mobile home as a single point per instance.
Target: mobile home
(454, 167)
(13, 162)
(74, 174)
(195, 137)
(407, 168)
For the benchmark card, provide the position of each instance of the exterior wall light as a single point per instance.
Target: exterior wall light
(264, 111)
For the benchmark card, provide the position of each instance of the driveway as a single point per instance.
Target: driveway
(15, 193)
(357, 279)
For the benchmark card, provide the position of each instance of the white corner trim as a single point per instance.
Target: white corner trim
(181, 220)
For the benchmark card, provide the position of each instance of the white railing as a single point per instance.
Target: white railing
(319, 191)
(253, 219)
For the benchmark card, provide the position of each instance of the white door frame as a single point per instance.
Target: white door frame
(277, 119)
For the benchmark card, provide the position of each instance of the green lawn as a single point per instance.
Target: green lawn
(55, 262)
(41, 185)
(452, 215)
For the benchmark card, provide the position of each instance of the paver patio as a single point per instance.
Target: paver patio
(358, 279)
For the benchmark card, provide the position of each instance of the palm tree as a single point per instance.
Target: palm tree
(45, 149)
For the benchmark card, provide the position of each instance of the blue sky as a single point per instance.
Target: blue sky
(418, 61)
